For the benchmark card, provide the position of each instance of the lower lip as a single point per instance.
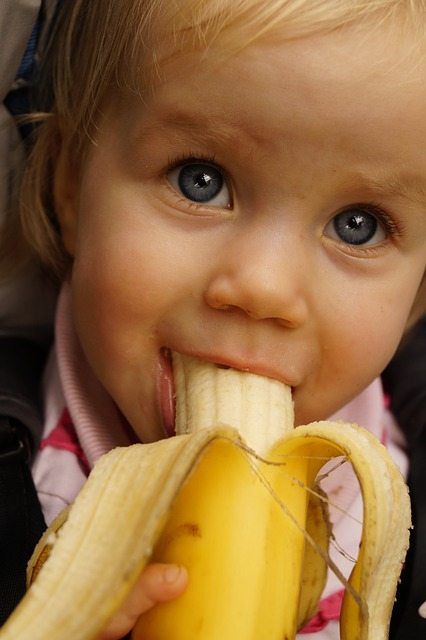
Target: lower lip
(166, 392)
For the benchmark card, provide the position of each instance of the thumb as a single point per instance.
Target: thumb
(157, 583)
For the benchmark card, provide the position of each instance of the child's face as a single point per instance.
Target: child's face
(267, 213)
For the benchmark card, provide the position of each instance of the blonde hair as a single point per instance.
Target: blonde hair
(101, 46)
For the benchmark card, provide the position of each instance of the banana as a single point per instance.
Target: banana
(233, 496)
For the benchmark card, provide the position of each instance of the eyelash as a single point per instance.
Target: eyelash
(187, 158)
(392, 228)
(389, 223)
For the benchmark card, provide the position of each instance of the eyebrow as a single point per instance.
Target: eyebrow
(409, 186)
(203, 129)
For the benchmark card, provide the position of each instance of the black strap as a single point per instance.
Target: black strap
(21, 365)
(405, 379)
(406, 622)
(21, 519)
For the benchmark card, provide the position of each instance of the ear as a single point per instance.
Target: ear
(65, 195)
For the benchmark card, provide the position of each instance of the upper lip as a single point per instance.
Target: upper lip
(256, 365)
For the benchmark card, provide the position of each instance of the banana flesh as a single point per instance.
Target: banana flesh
(253, 537)
(260, 408)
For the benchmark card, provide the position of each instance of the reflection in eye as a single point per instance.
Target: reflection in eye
(201, 182)
(356, 226)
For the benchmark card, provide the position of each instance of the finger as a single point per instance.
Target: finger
(157, 583)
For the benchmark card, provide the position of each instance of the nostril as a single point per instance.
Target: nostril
(250, 291)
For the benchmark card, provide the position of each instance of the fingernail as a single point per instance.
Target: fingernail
(172, 573)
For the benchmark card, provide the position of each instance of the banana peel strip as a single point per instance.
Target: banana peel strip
(368, 602)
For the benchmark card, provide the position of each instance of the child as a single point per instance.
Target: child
(241, 182)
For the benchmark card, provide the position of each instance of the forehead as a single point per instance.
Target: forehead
(392, 50)
(377, 76)
(162, 31)
(354, 96)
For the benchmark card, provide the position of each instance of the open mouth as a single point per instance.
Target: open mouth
(166, 392)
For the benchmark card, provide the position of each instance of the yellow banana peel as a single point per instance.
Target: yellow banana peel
(234, 498)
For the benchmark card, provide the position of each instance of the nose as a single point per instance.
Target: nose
(261, 276)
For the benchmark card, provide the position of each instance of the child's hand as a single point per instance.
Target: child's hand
(157, 583)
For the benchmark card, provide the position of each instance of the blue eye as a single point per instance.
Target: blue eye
(201, 183)
(356, 226)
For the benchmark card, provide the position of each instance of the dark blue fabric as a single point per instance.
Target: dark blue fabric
(27, 62)
(18, 99)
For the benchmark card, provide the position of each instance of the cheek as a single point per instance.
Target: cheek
(114, 321)
(117, 300)
(368, 329)
(129, 276)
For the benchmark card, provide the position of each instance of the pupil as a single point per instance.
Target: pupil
(356, 222)
(203, 180)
